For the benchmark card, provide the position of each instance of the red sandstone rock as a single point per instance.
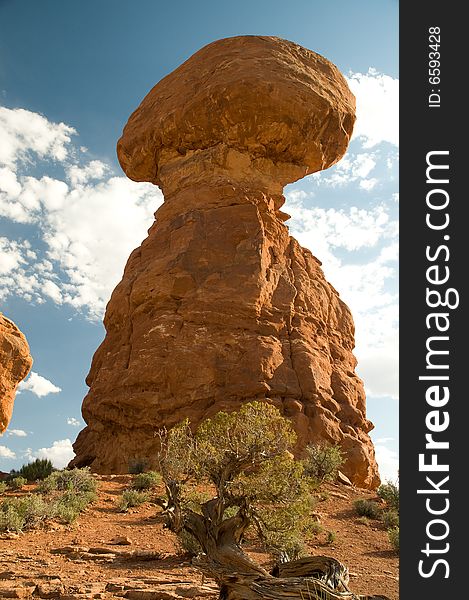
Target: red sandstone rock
(15, 364)
(219, 305)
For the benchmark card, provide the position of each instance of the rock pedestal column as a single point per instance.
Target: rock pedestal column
(219, 305)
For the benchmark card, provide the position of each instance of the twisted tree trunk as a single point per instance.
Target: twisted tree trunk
(241, 578)
(251, 586)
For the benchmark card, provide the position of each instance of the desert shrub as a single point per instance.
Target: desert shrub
(284, 528)
(286, 547)
(131, 498)
(70, 492)
(17, 483)
(36, 470)
(70, 504)
(393, 535)
(389, 492)
(3, 487)
(81, 481)
(367, 508)
(323, 461)
(67, 494)
(138, 465)
(315, 528)
(189, 545)
(34, 509)
(257, 486)
(363, 520)
(390, 518)
(331, 537)
(146, 481)
(28, 512)
(10, 520)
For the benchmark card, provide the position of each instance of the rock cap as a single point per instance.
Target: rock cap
(261, 106)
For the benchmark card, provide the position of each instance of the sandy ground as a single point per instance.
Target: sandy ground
(82, 560)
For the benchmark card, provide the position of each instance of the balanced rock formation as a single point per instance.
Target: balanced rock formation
(219, 305)
(15, 364)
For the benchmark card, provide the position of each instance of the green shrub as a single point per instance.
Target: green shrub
(67, 494)
(34, 509)
(364, 520)
(80, 481)
(69, 505)
(286, 546)
(138, 465)
(131, 498)
(331, 537)
(393, 535)
(189, 545)
(17, 483)
(10, 520)
(390, 518)
(315, 528)
(3, 487)
(389, 492)
(27, 512)
(37, 470)
(367, 508)
(323, 461)
(146, 481)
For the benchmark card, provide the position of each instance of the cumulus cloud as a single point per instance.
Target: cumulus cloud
(379, 366)
(352, 168)
(6, 452)
(17, 432)
(351, 229)
(89, 220)
(11, 255)
(24, 132)
(74, 422)
(38, 385)
(60, 453)
(387, 459)
(364, 286)
(377, 107)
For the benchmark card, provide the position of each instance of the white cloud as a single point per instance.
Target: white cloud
(74, 422)
(388, 461)
(352, 168)
(24, 132)
(60, 453)
(17, 432)
(364, 286)
(38, 385)
(82, 174)
(351, 229)
(384, 440)
(89, 221)
(368, 184)
(91, 238)
(377, 107)
(11, 255)
(6, 452)
(379, 366)
(9, 183)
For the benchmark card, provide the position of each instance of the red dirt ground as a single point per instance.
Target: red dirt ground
(152, 567)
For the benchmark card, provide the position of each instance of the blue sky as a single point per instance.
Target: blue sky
(70, 75)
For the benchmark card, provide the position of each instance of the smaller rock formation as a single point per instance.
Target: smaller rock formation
(15, 364)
